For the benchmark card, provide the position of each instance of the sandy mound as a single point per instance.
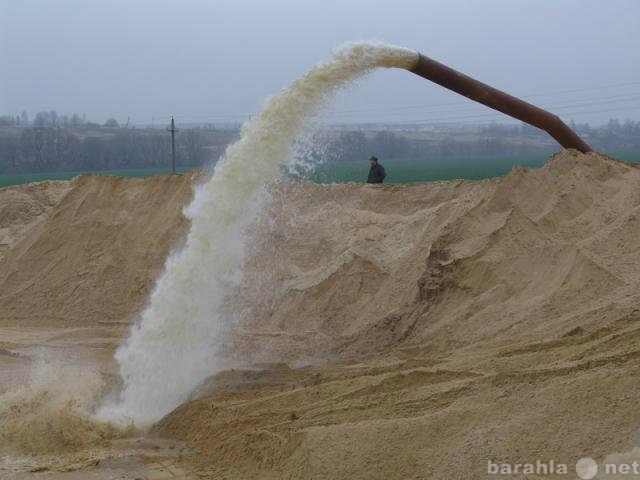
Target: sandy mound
(474, 320)
(96, 257)
(441, 324)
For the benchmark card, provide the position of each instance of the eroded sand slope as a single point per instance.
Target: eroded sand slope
(433, 326)
(472, 320)
(95, 258)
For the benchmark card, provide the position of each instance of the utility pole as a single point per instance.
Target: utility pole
(173, 131)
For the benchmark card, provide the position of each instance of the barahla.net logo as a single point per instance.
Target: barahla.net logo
(586, 468)
(537, 468)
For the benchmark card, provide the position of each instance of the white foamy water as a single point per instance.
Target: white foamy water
(174, 345)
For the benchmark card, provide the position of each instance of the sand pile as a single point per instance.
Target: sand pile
(469, 321)
(388, 332)
(95, 259)
(371, 267)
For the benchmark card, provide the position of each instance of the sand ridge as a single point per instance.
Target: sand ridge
(443, 325)
(95, 259)
(392, 332)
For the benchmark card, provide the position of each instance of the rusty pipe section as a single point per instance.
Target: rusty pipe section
(499, 100)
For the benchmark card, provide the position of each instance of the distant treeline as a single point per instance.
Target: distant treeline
(615, 136)
(53, 142)
(400, 145)
(493, 139)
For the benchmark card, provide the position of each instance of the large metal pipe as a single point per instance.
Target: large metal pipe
(498, 100)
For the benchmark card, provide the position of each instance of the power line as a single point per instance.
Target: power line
(407, 107)
(497, 115)
(411, 107)
(600, 101)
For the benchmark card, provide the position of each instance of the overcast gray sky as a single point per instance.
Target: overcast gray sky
(218, 59)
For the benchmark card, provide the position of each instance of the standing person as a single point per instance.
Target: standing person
(376, 172)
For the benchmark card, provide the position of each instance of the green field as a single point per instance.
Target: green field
(398, 171)
(405, 171)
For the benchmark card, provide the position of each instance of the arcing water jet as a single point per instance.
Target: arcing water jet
(174, 345)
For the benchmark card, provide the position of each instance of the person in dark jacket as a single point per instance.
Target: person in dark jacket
(376, 172)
